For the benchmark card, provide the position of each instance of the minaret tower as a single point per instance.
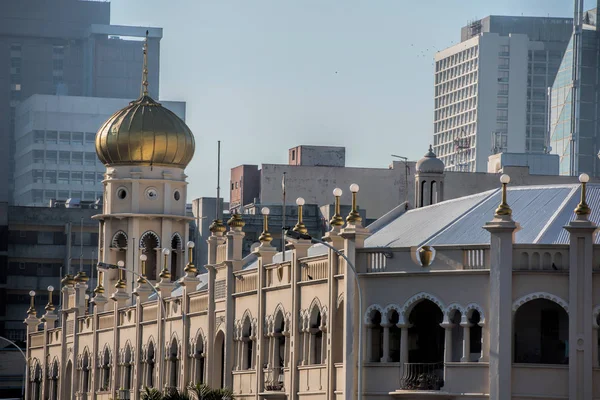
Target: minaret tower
(145, 148)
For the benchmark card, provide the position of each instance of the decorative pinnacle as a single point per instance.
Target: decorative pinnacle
(582, 208)
(503, 209)
(265, 237)
(50, 306)
(190, 267)
(236, 221)
(68, 280)
(165, 274)
(121, 283)
(99, 288)
(300, 227)
(81, 277)
(217, 226)
(354, 217)
(145, 68)
(31, 310)
(336, 219)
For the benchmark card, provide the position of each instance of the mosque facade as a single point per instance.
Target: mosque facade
(489, 296)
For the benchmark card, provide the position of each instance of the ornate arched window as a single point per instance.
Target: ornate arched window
(104, 368)
(53, 380)
(375, 335)
(173, 360)
(247, 343)
(127, 369)
(150, 362)
(35, 379)
(197, 361)
(84, 372)
(316, 337)
(149, 244)
(176, 254)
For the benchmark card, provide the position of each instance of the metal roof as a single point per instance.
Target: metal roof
(541, 212)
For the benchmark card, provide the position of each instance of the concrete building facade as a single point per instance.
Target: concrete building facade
(491, 89)
(55, 154)
(65, 47)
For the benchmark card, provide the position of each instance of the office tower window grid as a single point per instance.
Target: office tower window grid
(456, 109)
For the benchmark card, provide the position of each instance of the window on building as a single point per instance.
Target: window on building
(77, 157)
(38, 156)
(51, 156)
(63, 177)
(50, 177)
(64, 137)
(77, 138)
(64, 157)
(49, 195)
(89, 196)
(38, 136)
(76, 178)
(51, 137)
(104, 370)
(173, 360)
(90, 137)
(63, 194)
(90, 158)
(503, 76)
(89, 178)
(37, 195)
(38, 176)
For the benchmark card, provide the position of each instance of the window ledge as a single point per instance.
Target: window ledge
(553, 366)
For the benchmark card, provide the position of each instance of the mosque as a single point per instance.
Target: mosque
(489, 296)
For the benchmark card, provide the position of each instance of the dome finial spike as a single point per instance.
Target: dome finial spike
(145, 68)
(430, 148)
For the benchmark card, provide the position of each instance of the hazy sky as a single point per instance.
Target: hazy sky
(264, 76)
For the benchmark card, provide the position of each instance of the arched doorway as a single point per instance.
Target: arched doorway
(219, 364)
(541, 333)
(425, 367)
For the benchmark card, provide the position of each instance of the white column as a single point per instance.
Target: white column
(305, 350)
(403, 346)
(324, 347)
(386, 342)
(466, 356)
(447, 341)
(271, 355)
(369, 342)
(482, 355)
(311, 346)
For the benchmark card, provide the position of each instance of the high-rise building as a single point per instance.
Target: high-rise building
(574, 130)
(65, 47)
(55, 154)
(491, 89)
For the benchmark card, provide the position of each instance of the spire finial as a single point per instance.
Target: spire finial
(145, 68)
(430, 148)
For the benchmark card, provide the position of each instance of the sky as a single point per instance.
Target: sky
(265, 76)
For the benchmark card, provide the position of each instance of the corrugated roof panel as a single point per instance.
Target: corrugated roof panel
(556, 232)
(418, 225)
(532, 209)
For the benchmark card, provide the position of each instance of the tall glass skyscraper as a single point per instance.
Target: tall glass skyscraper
(574, 99)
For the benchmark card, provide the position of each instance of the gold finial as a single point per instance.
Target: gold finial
(236, 221)
(336, 219)
(87, 303)
(165, 274)
(31, 310)
(145, 68)
(265, 237)
(99, 288)
(142, 278)
(68, 280)
(582, 208)
(503, 209)
(300, 227)
(354, 217)
(190, 267)
(50, 306)
(217, 226)
(81, 277)
(121, 283)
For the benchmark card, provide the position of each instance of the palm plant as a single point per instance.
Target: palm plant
(151, 394)
(205, 392)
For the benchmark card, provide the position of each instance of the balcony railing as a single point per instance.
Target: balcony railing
(124, 394)
(274, 380)
(422, 376)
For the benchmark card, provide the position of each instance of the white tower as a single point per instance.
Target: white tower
(145, 148)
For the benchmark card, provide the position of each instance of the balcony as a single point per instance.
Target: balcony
(422, 376)
(274, 380)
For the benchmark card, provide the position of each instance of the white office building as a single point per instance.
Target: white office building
(491, 89)
(55, 152)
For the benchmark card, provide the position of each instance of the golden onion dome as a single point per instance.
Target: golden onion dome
(145, 133)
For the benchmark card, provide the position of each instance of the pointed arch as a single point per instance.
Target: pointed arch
(414, 300)
(451, 308)
(340, 299)
(176, 241)
(53, 376)
(68, 380)
(150, 362)
(148, 234)
(119, 240)
(173, 354)
(540, 295)
(315, 311)
(388, 311)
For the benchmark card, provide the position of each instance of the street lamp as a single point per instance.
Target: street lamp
(298, 235)
(25, 358)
